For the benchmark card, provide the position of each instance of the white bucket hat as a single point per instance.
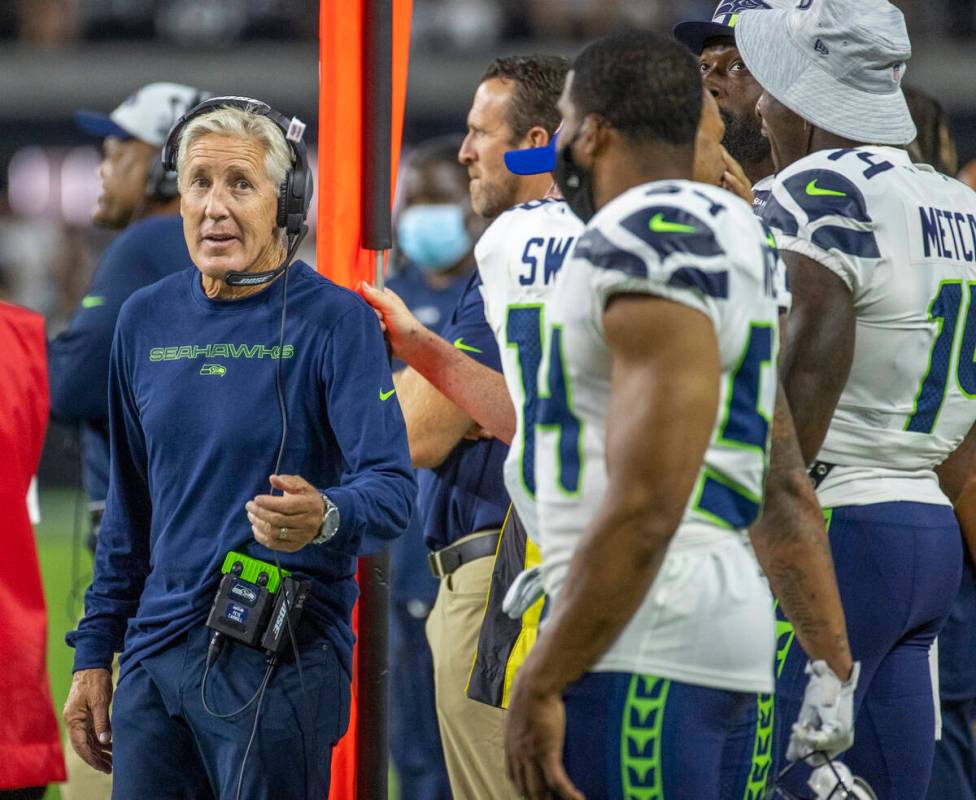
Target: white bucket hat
(836, 63)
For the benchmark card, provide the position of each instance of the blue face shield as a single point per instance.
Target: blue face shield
(433, 237)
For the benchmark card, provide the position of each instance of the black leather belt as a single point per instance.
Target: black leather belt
(470, 548)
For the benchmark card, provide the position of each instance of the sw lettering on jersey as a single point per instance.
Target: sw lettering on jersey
(520, 260)
(948, 234)
(552, 251)
(219, 350)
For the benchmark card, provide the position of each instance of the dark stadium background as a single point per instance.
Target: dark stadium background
(60, 55)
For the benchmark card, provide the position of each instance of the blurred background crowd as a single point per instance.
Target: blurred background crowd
(61, 55)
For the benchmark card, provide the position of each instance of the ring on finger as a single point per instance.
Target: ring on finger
(283, 534)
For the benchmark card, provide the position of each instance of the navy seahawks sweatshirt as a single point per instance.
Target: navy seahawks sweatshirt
(194, 433)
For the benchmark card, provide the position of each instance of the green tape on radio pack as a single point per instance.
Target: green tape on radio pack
(251, 570)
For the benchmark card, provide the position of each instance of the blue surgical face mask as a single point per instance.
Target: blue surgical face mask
(433, 237)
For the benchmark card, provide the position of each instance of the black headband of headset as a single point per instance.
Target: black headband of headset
(171, 148)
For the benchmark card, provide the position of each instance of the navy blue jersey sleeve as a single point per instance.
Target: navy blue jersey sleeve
(78, 359)
(377, 490)
(122, 555)
(468, 330)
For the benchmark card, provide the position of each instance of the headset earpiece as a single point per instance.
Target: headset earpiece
(281, 218)
(161, 184)
(294, 199)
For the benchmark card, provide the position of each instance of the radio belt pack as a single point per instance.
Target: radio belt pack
(257, 604)
(260, 605)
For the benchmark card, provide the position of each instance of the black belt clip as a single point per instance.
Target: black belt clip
(478, 545)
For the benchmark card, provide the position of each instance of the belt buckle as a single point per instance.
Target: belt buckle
(434, 562)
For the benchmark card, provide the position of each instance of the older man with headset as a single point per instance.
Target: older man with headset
(249, 701)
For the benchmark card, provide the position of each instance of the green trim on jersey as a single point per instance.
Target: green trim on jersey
(509, 343)
(707, 474)
(555, 347)
(733, 379)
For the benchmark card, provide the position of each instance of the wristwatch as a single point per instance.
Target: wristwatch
(330, 522)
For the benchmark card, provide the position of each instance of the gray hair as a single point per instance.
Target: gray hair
(233, 121)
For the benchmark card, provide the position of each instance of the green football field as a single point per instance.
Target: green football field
(54, 547)
(60, 562)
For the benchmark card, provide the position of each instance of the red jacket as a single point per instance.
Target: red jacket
(30, 751)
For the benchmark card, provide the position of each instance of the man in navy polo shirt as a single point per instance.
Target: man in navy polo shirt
(435, 227)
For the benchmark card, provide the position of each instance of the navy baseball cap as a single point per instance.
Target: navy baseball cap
(694, 34)
(100, 125)
(533, 160)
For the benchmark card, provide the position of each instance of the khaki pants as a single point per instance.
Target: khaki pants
(471, 732)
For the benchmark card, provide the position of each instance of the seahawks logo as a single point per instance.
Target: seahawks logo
(735, 6)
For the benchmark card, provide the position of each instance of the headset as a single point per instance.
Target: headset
(161, 184)
(294, 194)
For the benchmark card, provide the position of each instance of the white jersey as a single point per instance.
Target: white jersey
(519, 257)
(708, 618)
(902, 237)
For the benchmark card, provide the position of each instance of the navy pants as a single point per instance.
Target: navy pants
(165, 745)
(630, 736)
(954, 768)
(898, 567)
(415, 741)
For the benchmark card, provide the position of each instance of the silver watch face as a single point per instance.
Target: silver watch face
(330, 522)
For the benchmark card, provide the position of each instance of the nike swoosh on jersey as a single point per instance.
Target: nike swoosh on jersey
(815, 191)
(659, 224)
(460, 345)
(92, 301)
(384, 396)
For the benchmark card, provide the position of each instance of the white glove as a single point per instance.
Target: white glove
(825, 726)
(525, 590)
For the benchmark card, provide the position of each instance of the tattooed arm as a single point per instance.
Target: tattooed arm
(791, 545)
